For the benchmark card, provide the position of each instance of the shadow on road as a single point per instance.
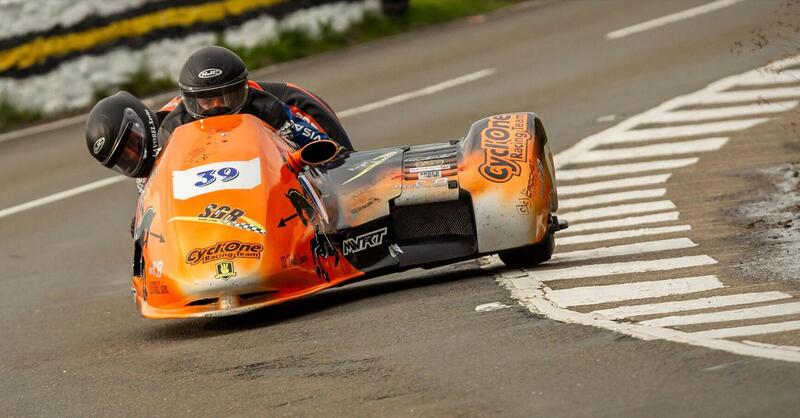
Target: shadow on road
(287, 311)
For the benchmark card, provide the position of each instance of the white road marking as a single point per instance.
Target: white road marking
(767, 77)
(671, 18)
(603, 199)
(739, 96)
(626, 267)
(624, 234)
(725, 316)
(622, 250)
(690, 305)
(61, 195)
(709, 128)
(619, 223)
(619, 169)
(592, 295)
(618, 210)
(427, 91)
(748, 330)
(606, 118)
(45, 127)
(685, 116)
(492, 306)
(646, 151)
(599, 186)
(782, 347)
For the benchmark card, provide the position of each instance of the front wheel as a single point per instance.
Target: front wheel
(530, 255)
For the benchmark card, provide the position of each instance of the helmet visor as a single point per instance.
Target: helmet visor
(216, 101)
(129, 150)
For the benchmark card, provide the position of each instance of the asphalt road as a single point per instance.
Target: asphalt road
(411, 344)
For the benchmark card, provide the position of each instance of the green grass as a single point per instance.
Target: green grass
(291, 44)
(11, 115)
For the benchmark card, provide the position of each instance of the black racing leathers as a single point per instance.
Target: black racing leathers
(266, 101)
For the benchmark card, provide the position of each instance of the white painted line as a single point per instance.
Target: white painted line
(619, 169)
(618, 210)
(739, 96)
(45, 127)
(709, 128)
(782, 347)
(749, 330)
(647, 151)
(671, 18)
(599, 186)
(622, 250)
(60, 196)
(418, 93)
(724, 316)
(697, 115)
(627, 267)
(592, 295)
(766, 77)
(533, 297)
(603, 199)
(488, 307)
(625, 234)
(618, 223)
(690, 305)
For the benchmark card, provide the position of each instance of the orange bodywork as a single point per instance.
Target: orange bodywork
(240, 243)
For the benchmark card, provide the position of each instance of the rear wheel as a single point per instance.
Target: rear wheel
(530, 255)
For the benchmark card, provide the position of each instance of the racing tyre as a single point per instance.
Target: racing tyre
(530, 255)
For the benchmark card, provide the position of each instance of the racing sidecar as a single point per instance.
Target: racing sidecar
(233, 217)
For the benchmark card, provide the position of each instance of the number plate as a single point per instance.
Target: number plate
(214, 177)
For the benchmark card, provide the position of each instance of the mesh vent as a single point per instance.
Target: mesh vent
(440, 220)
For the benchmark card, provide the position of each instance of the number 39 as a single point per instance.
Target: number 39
(225, 174)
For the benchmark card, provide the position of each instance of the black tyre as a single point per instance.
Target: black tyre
(530, 255)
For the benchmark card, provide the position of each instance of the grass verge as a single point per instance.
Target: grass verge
(289, 45)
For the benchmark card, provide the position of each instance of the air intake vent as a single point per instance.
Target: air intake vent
(442, 220)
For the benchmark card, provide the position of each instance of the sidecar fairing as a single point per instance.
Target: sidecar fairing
(225, 225)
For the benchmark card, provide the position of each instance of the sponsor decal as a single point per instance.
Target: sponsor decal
(364, 241)
(155, 269)
(430, 174)
(155, 287)
(505, 145)
(98, 145)
(230, 175)
(222, 212)
(442, 156)
(303, 208)
(431, 182)
(439, 167)
(427, 163)
(366, 166)
(209, 72)
(371, 201)
(224, 215)
(225, 270)
(196, 156)
(293, 260)
(227, 250)
(525, 203)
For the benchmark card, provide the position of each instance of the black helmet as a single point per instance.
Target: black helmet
(213, 82)
(122, 134)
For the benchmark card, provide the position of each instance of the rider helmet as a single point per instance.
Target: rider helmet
(213, 82)
(122, 134)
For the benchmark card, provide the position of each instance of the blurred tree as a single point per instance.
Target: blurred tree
(395, 7)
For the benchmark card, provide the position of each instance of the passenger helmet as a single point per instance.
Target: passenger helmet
(122, 134)
(213, 82)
